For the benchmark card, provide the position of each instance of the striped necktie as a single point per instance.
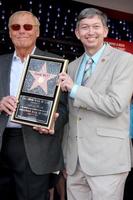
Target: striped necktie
(87, 71)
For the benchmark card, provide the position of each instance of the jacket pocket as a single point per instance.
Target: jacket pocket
(114, 133)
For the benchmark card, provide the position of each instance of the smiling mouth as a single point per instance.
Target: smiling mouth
(22, 37)
(91, 39)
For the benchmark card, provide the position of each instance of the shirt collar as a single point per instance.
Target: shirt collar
(96, 56)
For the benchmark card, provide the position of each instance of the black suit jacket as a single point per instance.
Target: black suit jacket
(44, 152)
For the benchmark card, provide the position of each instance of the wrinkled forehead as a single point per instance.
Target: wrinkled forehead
(22, 18)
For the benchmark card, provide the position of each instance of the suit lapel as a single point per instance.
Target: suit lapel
(38, 52)
(75, 68)
(6, 74)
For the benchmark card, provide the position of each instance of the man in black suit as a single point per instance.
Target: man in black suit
(29, 154)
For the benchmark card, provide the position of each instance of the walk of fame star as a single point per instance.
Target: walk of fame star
(41, 78)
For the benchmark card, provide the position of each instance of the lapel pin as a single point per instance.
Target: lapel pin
(103, 60)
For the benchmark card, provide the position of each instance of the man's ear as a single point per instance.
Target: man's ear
(106, 30)
(38, 33)
(9, 34)
(77, 34)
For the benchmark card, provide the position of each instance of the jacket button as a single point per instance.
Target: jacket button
(80, 118)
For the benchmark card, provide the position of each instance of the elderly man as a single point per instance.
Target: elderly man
(29, 155)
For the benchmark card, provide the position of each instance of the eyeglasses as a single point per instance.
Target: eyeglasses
(17, 27)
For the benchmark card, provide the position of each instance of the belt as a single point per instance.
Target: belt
(13, 131)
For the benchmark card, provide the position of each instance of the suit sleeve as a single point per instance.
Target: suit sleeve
(116, 97)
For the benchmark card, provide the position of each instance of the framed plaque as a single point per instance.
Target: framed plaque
(39, 92)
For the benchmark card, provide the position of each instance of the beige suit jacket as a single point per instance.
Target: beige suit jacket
(98, 130)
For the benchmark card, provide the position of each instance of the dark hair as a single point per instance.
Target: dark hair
(91, 12)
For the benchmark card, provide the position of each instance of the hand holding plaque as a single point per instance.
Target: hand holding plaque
(39, 92)
(49, 131)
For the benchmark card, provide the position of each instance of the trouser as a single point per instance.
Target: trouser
(81, 186)
(28, 185)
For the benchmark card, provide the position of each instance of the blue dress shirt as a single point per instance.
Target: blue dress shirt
(17, 68)
(80, 73)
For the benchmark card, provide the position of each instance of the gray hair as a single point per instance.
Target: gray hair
(91, 12)
(21, 13)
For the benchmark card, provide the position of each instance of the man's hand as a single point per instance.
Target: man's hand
(8, 104)
(65, 82)
(46, 131)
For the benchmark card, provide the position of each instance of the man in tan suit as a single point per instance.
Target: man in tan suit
(98, 150)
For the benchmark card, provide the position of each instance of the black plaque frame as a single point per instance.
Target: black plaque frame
(39, 92)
